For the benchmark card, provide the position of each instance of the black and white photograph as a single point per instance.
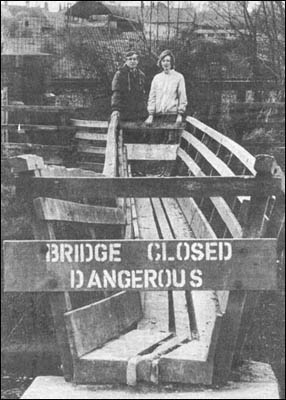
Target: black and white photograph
(143, 199)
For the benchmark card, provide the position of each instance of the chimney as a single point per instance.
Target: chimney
(46, 6)
(27, 4)
(6, 3)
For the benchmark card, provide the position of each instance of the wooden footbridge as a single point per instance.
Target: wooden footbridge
(171, 265)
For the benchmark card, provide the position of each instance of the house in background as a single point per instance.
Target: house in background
(27, 27)
(99, 14)
(161, 23)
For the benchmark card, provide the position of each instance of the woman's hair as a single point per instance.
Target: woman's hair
(163, 55)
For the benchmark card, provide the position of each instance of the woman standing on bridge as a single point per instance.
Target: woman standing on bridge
(167, 97)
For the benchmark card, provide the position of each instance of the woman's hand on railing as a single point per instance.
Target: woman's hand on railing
(149, 120)
(115, 114)
(179, 119)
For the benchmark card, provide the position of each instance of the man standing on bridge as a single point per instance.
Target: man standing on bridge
(128, 90)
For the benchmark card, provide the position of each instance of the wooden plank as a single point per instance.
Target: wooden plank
(148, 365)
(129, 345)
(255, 226)
(121, 202)
(202, 314)
(57, 170)
(110, 364)
(232, 224)
(40, 128)
(89, 123)
(191, 363)
(31, 162)
(211, 158)
(37, 108)
(25, 162)
(67, 211)
(110, 165)
(166, 233)
(182, 308)
(85, 148)
(75, 265)
(205, 309)
(196, 219)
(202, 229)
(159, 187)
(128, 230)
(243, 155)
(90, 136)
(226, 344)
(241, 305)
(220, 204)
(154, 128)
(91, 326)
(96, 167)
(155, 304)
(166, 152)
(45, 151)
(60, 303)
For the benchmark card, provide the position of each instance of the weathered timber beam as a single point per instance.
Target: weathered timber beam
(146, 152)
(89, 123)
(45, 151)
(59, 210)
(91, 317)
(242, 304)
(40, 128)
(158, 187)
(47, 265)
(154, 128)
(243, 155)
(36, 108)
(110, 165)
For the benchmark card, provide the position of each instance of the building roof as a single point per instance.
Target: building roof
(84, 9)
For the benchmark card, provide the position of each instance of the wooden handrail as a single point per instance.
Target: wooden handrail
(36, 108)
(243, 155)
(110, 164)
(206, 186)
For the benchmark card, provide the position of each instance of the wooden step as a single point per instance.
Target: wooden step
(91, 326)
(115, 360)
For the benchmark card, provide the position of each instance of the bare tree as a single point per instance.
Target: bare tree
(273, 31)
(151, 22)
(261, 28)
(178, 19)
(168, 32)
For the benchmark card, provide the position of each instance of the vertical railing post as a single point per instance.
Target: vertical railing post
(237, 318)
(255, 227)
(110, 164)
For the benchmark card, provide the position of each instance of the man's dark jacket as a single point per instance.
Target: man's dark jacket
(128, 94)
